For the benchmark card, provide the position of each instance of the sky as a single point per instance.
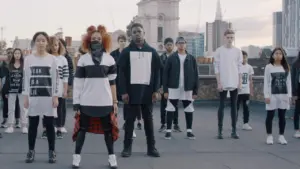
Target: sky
(252, 19)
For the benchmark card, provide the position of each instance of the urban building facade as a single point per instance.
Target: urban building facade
(277, 29)
(253, 51)
(195, 42)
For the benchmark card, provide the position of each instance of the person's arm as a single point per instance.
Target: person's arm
(70, 69)
(55, 79)
(123, 67)
(157, 69)
(112, 75)
(78, 84)
(240, 65)
(289, 85)
(196, 85)
(267, 83)
(293, 80)
(166, 74)
(65, 70)
(26, 79)
(217, 66)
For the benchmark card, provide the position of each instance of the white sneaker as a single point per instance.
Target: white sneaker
(76, 160)
(270, 140)
(63, 130)
(134, 134)
(112, 161)
(24, 130)
(9, 130)
(282, 140)
(246, 126)
(297, 134)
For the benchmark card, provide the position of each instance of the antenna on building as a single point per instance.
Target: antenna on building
(199, 16)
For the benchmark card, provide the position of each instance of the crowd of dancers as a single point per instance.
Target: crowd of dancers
(37, 85)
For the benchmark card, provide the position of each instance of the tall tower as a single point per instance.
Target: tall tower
(219, 11)
(160, 19)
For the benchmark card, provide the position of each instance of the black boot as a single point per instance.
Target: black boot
(152, 152)
(127, 148)
(52, 156)
(220, 132)
(30, 156)
(234, 135)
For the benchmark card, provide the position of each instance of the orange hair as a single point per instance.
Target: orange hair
(106, 38)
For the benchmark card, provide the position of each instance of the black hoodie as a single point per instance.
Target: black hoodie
(134, 65)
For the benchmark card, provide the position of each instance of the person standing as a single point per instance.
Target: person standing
(169, 46)
(139, 70)
(295, 76)
(227, 64)
(180, 82)
(277, 93)
(245, 91)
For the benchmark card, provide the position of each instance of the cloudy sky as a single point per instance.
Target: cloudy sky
(252, 19)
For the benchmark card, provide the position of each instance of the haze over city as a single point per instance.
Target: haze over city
(252, 20)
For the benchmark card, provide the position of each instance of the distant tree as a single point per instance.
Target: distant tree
(2, 47)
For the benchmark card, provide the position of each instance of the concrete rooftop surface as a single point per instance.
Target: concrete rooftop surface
(206, 152)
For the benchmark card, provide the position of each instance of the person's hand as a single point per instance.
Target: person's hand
(166, 95)
(154, 97)
(125, 98)
(267, 100)
(55, 102)
(65, 95)
(195, 97)
(26, 102)
(116, 108)
(220, 88)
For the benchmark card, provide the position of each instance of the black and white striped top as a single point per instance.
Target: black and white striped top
(91, 88)
(63, 72)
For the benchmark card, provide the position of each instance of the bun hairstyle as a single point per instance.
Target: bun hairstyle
(106, 38)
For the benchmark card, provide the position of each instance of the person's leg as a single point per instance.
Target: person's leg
(170, 109)
(188, 111)
(32, 133)
(176, 121)
(4, 110)
(233, 102)
(17, 113)
(44, 134)
(239, 101)
(163, 105)
(296, 118)
(147, 110)
(223, 96)
(58, 120)
(24, 119)
(11, 109)
(281, 117)
(108, 137)
(139, 118)
(129, 127)
(246, 112)
(268, 123)
(126, 109)
(49, 122)
(64, 114)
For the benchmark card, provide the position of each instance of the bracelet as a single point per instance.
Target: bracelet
(115, 101)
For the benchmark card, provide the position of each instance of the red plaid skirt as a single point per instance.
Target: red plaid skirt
(95, 126)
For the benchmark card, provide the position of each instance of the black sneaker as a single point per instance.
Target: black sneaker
(44, 135)
(139, 126)
(30, 156)
(168, 136)
(52, 156)
(18, 125)
(177, 128)
(3, 124)
(162, 128)
(153, 152)
(59, 134)
(190, 136)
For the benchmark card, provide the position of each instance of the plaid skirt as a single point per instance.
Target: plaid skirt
(95, 126)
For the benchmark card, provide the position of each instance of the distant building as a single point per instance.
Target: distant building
(277, 29)
(253, 51)
(195, 42)
(215, 31)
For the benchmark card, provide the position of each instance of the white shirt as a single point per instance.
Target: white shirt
(247, 71)
(63, 71)
(181, 75)
(228, 63)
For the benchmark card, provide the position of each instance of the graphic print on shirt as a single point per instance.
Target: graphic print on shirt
(15, 80)
(278, 83)
(245, 78)
(140, 63)
(40, 81)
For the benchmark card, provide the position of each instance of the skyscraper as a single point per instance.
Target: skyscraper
(291, 24)
(195, 42)
(215, 31)
(277, 29)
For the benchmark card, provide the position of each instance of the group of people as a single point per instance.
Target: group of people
(135, 75)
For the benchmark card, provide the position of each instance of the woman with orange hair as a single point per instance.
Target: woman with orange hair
(94, 93)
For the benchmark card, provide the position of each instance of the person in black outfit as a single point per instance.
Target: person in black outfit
(169, 46)
(116, 55)
(295, 77)
(139, 77)
(3, 74)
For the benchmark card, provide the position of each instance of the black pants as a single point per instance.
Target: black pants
(297, 114)
(269, 120)
(188, 115)
(33, 128)
(126, 110)
(163, 112)
(5, 107)
(148, 123)
(61, 113)
(244, 100)
(233, 105)
(107, 127)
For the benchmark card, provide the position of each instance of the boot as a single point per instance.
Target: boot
(220, 133)
(127, 148)
(234, 135)
(152, 151)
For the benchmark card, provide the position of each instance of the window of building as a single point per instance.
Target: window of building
(160, 34)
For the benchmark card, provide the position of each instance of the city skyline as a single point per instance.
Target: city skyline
(252, 26)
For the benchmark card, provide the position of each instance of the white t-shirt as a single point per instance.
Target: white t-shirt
(181, 76)
(247, 71)
(63, 71)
